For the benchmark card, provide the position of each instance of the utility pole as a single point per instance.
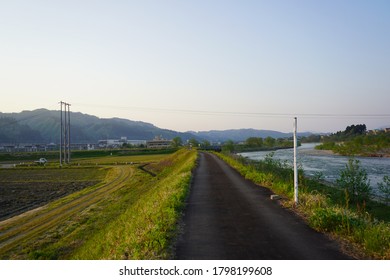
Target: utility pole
(295, 164)
(65, 133)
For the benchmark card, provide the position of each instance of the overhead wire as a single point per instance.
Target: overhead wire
(239, 113)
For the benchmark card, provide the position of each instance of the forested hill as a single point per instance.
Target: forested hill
(43, 125)
(240, 135)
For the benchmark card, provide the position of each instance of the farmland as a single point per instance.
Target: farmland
(22, 190)
(89, 200)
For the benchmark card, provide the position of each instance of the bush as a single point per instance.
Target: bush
(326, 219)
(353, 179)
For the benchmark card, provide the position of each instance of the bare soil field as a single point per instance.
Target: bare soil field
(25, 189)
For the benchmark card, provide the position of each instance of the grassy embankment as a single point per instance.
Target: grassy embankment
(325, 208)
(143, 217)
(131, 218)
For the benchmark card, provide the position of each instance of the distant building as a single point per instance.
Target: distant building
(159, 143)
(117, 143)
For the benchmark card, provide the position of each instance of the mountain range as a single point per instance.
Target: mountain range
(43, 126)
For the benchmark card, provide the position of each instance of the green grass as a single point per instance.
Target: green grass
(147, 212)
(53, 156)
(138, 221)
(324, 207)
(106, 160)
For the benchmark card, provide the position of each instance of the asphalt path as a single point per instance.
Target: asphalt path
(228, 217)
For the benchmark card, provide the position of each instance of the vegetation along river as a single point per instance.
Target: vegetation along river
(315, 161)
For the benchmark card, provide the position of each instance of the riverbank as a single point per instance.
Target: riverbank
(351, 149)
(243, 149)
(327, 164)
(314, 152)
(364, 154)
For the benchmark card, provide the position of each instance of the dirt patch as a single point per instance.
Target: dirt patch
(158, 167)
(18, 197)
(25, 189)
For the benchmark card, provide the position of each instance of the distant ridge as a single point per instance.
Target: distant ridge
(43, 126)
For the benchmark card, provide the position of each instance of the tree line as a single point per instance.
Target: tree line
(258, 144)
(355, 140)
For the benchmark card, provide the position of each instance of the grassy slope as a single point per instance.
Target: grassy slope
(140, 221)
(325, 209)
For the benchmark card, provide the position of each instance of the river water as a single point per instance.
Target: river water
(314, 161)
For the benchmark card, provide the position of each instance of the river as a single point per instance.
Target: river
(314, 161)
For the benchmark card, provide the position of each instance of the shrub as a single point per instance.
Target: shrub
(353, 179)
(326, 219)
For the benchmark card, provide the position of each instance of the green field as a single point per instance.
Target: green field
(126, 214)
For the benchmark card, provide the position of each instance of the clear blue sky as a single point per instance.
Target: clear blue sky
(200, 65)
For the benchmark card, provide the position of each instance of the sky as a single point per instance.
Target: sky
(201, 65)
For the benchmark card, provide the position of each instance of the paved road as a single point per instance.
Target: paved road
(228, 217)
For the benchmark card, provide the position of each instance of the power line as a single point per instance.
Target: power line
(240, 113)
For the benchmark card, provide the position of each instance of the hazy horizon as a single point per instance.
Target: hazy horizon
(201, 65)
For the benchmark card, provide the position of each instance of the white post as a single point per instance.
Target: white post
(61, 135)
(295, 163)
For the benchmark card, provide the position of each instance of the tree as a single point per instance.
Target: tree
(254, 142)
(358, 129)
(353, 179)
(206, 144)
(193, 143)
(228, 146)
(177, 142)
(269, 141)
(127, 146)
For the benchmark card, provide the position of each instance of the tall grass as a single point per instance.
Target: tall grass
(325, 208)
